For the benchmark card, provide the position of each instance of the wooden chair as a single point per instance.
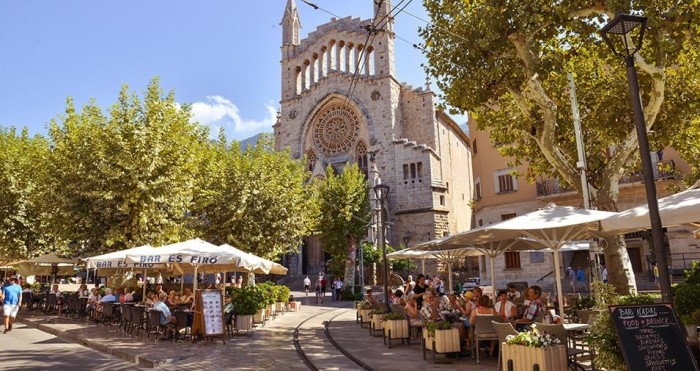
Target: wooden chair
(483, 329)
(503, 330)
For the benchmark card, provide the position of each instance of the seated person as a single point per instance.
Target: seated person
(151, 298)
(172, 299)
(93, 301)
(369, 298)
(483, 308)
(59, 297)
(513, 294)
(83, 292)
(228, 310)
(504, 307)
(398, 298)
(187, 296)
(457, 306)
(166, 318)
(128, 295)
(109, 296)
(534, 307)
(430, 312)
(412, 312)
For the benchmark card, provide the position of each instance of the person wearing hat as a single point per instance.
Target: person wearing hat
(11, 302)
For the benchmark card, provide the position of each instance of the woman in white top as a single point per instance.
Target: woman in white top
(504, 307)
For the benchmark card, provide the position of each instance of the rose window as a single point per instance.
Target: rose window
(336, 130)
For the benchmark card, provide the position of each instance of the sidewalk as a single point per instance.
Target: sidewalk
(267, 347)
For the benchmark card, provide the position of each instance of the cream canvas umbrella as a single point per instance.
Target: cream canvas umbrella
(677, 209)
(42, 265)
(446, 256)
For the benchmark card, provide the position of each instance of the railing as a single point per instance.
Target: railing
(545, 276)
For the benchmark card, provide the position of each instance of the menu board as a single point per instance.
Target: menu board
(651, 338)
(212, 312)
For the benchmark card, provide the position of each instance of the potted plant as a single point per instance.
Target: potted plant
(440, 337)
(376, 320)
(395, 327)
(267, 289)
(281, 297)
(246, 302)
(531, 348)
(365, 310)
(691, 322)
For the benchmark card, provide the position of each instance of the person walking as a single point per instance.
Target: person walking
(11, 302)
(604, 274)
(307, 284)
(581, 277)
(338, 288)
(656, 275)
(572, 278)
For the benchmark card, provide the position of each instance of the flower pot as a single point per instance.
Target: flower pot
(396, 329)
(375, 323)
(365, 315)
(443, 341)
(524, 357)
(691, 330)
(259, 317)
(244, 322)
(270, 310)
(279, 307)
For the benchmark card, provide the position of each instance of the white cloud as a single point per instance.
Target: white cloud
(217, 111)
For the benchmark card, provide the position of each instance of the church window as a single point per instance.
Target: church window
(413, 171)
(405, 171)
(361, 152)
(310, 159)
(336, 129)
(419, 169)
(442, 200)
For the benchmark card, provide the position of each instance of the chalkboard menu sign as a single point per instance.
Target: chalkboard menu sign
(651, 338)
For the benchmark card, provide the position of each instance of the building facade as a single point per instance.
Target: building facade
(500, 194)
(342, 103)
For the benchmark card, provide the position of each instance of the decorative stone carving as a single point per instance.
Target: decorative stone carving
(376, 95)
(293, 114)
(336, 129)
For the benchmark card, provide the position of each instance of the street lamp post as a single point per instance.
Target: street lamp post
(622, 27)
(406, 240)
(381, 191)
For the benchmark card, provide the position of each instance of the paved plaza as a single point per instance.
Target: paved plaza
(270, 346)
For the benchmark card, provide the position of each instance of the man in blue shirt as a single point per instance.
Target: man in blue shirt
(166, 318)
(11, 301)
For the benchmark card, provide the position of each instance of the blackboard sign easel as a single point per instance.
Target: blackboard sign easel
(651, 338)
(208, 315)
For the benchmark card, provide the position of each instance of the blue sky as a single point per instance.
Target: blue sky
(220, 55)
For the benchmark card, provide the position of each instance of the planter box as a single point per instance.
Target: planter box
(365, 315)
(279, 307)
(270, 311)
(524, 358)
(244, 322)
(375, 323)
(446, 341)
(295, 306)
(396, 329)
(259, 317)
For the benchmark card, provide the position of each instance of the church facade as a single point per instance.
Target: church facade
(342, 103)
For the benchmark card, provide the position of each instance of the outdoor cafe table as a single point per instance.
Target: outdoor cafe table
(573, 328)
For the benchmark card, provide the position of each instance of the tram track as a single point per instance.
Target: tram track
(340, 360)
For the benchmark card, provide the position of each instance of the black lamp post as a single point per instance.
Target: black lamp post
(406, 240)
(628, 34)
(381, 191)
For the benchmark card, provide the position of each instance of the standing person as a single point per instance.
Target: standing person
(656, 275)
(307, 284)
(11, 301)
(319, 289)
(338, 288)
(604, 274)
(572, 278)
(419, 290)
(324, 284)
(581, 277)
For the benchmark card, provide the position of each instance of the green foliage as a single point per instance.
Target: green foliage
(267, 290)
(585, 302)
(604, 339)
(255, 199)
(247, 300)
(686, 298)
(347, 294)
(533, 338)
(281, 293)
(691, 318)
(344, 215)
(22, 170)
(437, 325)
(692, 275)
(394, 316)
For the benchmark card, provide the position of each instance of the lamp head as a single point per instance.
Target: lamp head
(381, 191)
(628, 33)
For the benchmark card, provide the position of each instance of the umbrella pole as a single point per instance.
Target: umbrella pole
(557, 278)
(143, 289)
(182, 284)
(194, 281)
(493, 275)
(422, 262)
(449, 276)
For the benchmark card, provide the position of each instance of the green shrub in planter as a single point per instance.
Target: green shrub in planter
(247, 300)
(281, 293)
(438, 325)
(686, 299)
(347, 294)
(394, 316)
(267, 292)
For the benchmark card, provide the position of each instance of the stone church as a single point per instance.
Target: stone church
(342, 103)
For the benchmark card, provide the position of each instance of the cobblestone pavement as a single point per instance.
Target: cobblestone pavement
(267, 347)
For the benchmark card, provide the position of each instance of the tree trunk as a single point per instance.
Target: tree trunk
(349, 278)
(620, 271)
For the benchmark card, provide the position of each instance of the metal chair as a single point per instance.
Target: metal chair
(51, 303)
(153, 324)
(107, 313)
(503, 330)
(181, 324)
(138, 320)
(483, 330)
(27, 300)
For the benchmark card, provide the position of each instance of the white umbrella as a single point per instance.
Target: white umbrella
(43, 265)
(680, 208)
(117, 259)
(447, 256)
(551, 227)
